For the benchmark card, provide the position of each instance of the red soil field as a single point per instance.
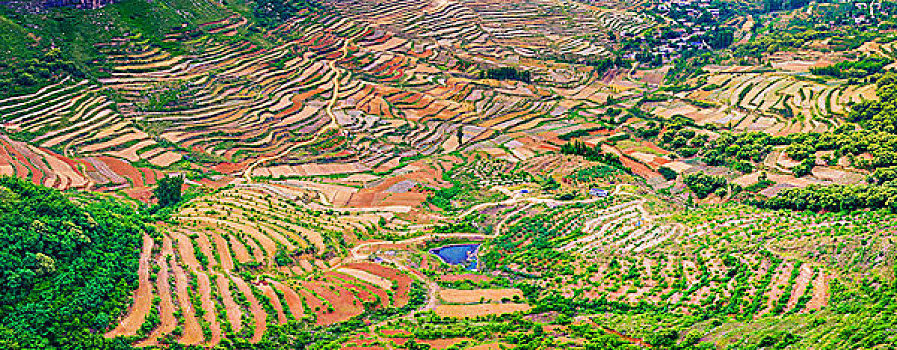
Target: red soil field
(403, 281)
(142, 296)
(384, 296)
(314, 303)
(166, 305)
(124, 169)
(294, 301)
(638, 168)
(20, 170)
(275, 302)
(230, 168)
(192, 332)
(150, 176)
(367, 292)
(442, 343)
(143, 194)
(258, 314)
(345, 306)
(216, 184)
(36, 174)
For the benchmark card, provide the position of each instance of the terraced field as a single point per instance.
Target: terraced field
(771, 264)
(331, 150)
(777, 104)
(329, 95)
(233, 263)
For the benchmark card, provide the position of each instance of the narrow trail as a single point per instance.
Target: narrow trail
(333, 124)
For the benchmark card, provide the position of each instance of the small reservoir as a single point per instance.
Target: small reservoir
(465, 254)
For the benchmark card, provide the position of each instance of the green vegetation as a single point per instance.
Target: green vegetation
(168, 190)
(835, 198)
(667, 173)
(624, 268)
(703, 185)
(594, 154)
(75, 34)
(854, 69)
(66, 269)
(271, 13)
(507, 73)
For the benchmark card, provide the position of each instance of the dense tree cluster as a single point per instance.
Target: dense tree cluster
(780, 5)
(854, 69)
(66, 271)
(719, 37)
(739, 150)
(779, 41)
(27, 76)
(834, 198)
(507, 73)
(168, 190)
(703, 185)
(594, 154)
(667, 173)
(879, 114)
(873, 303)
(678, 134)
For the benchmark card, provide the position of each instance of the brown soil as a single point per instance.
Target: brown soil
(240, 251)
(820, 292)
(800, 285)
(479, 309)
(166, 305)
(206, 248)
(403, 281)
(294, 301)
(192, 333)
(233, 310)
(227, 261)
(372, 289)
(442, 343)
(205, 292)
(258, 313)
(275, 302)
(185, 249)
(344, 303)
(142, 296)
(476, 295)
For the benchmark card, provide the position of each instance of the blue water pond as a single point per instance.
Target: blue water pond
(465, 254)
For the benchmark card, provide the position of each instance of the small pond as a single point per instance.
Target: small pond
(455, 254)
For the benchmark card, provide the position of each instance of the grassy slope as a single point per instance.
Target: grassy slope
(76, 32)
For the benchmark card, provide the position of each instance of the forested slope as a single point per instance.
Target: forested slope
(66, 269)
